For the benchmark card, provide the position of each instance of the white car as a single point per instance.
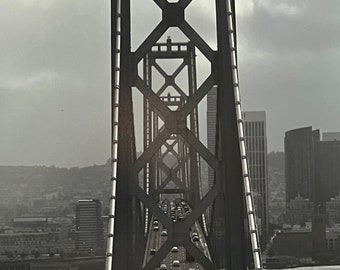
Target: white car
(175, 263)
(162, 267)
(174, 249)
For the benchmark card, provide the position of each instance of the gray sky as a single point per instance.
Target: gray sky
(55, 71)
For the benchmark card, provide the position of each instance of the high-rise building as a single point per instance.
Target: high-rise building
(256, 147)
(299, 162)
(327, 169)
(312, 165)
(89, 227)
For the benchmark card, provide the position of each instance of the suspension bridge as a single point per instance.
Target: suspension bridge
(161, 215)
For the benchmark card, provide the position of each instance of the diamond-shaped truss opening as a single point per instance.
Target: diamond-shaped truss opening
(157, 80)
(207, 177)
(170, 65)
(203, 67)
(201, 121)
(142, 23)
(160, 124)
(171, 185)
(182, 80)
(170, 160)
(137, 99)
(173, 143)
(201, 15)
(141, 178)
(175, 34)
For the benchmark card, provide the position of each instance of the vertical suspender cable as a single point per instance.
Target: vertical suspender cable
(246, 180)
(114, 143)
(147, 141)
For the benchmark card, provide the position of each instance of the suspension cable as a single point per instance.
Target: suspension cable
(246, 179)
(114, 142)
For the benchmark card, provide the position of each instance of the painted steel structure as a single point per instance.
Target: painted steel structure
(133, 200)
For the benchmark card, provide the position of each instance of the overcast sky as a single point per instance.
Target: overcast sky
(55, 71)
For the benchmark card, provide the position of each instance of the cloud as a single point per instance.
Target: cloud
(54, 82)
(32, 82)
(289, 64)
(278, 7)
(281, 27)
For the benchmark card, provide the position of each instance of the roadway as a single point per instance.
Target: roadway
(177, 258)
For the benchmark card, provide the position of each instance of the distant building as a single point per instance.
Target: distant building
(333, 210)
(28, 243)
(333, 238)
(55, 263)
(89, 227)
(299, 162)
(327, 169)
(297, 243)
(313, 172)
(38, 223)
(299, 211)
(256, 147)
(312, 166)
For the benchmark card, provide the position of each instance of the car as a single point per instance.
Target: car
(195, 238)
(175, 263)
(155, 222)
(152, 251)
(162, 267)
(156, 228)
(174, 249)
(164, 233)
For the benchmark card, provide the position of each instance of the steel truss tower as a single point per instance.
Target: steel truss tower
(133, 200)
(185, 172)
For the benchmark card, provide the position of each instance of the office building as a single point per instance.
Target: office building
(312, 166)
(256, 146)
(299, 162)
(327, 169)
(299, 211)
(89, 227)
(313, 172)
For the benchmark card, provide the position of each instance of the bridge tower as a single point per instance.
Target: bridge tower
(171, 126)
